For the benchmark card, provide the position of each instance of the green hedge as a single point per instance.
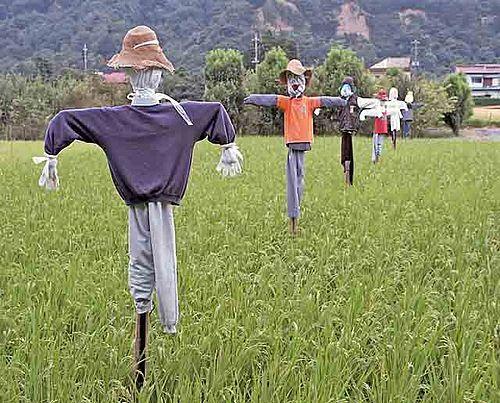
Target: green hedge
(485, 101)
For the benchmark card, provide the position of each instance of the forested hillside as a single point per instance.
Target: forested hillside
(39, 31)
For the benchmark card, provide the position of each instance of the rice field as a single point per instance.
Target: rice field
(391, 293)
(490, 114)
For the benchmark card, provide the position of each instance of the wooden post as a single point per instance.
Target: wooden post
(141, 341)
(294, 226)
(347, 173)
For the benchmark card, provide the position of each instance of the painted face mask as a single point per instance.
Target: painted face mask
(346, 91)
(296, 85)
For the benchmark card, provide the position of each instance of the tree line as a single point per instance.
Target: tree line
(226, 80)
(27, 103)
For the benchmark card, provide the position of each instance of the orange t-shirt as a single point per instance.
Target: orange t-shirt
(298, 117)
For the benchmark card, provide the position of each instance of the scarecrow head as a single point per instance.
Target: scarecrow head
(393, 94)
(409, 97)
(142, 58)
(382, 95)
(347, 88)
(296, 77)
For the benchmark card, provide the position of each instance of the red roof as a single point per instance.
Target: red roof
(479, 69)
(115, 78)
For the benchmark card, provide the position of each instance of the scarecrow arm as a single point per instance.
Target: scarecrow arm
(268, 100)
(368, 103)
(221, 131)
(66, 127)
(370, 107)
(332, 102)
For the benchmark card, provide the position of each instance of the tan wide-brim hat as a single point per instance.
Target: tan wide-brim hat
(295, 66)
(141, 50)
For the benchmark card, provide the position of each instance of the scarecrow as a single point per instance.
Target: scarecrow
(394, 108)
(408, 113)
(298, 131)
(380, 127)
(149, 146)
(355, 110)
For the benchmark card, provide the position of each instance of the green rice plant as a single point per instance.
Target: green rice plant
(389, 294)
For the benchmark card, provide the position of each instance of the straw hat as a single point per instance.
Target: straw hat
(295, 66)
(141, 50)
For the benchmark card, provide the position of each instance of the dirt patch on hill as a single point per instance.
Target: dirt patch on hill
(352, 21)
(408, 15)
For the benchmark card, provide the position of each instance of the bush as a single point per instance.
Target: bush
(460, 93)
(430, 96)
(484, 101)
(27, 104)
(224, 74)
(265, 121)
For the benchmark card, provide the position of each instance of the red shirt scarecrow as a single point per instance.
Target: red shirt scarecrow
(149, 148)
(298, 131)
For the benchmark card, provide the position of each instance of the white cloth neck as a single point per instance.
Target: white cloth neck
(145, 83)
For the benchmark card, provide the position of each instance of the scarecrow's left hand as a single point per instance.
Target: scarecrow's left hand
(230, 160)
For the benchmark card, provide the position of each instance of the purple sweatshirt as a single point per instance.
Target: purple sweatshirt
(149, 148)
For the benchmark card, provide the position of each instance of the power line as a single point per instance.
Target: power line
(85, 59)
(415, 63)
(256, 42)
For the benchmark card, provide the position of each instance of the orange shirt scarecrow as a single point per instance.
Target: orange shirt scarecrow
(298, 110)
(298, 117)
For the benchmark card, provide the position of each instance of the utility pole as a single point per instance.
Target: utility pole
(415, 63)
(256, 43)
(85, 54)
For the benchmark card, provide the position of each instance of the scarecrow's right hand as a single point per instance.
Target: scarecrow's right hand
(49, 178)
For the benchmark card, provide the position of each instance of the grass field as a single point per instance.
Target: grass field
(390, 294)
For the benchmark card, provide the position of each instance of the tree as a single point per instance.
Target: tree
(282, 40)
(224, 74)
(268, 120)
(338, 64)
(430, 96)
(459, 92)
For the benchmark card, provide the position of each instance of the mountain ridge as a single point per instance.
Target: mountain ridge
(449, 31)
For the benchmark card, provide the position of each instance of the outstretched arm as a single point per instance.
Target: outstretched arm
(66, 127)
(268, 100)
(332, 102)
(370, 107)
(368, 103)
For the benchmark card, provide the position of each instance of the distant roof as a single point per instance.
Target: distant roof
(117, 77)
(393, 62)
(478, 69)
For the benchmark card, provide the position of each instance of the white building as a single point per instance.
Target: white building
(484, 79)
(400, 63)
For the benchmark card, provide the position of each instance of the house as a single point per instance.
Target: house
(484, 79)
(401, 63)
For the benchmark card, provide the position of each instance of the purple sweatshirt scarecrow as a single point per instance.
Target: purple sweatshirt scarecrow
(149, 149)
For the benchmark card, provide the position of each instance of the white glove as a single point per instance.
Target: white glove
(230, 160)
(48, 179)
